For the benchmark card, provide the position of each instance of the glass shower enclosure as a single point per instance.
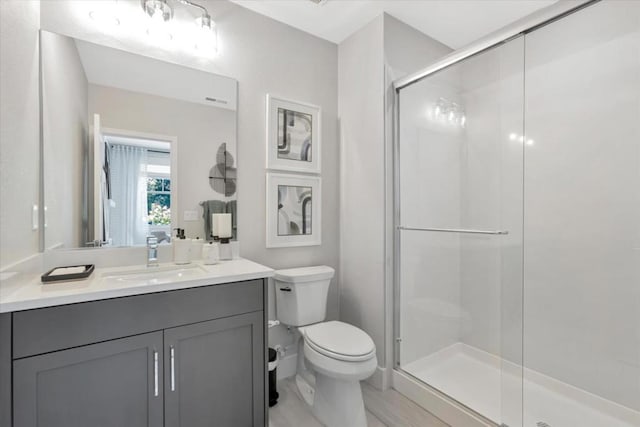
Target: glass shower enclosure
(517, 267)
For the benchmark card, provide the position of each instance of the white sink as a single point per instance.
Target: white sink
(150, 275)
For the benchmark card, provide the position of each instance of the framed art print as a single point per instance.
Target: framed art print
(293, 210)
(293, 136)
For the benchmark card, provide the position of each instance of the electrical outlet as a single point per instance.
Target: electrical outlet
(191, 216)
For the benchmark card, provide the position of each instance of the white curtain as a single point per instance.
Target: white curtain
(128, 213)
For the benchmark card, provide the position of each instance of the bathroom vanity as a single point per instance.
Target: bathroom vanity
(185, 351)
(131, 346)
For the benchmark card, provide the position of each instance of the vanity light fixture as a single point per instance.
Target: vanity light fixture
(158, 10)
(159, 13)
(159, 20)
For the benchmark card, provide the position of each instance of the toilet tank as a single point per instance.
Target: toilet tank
(301, 294)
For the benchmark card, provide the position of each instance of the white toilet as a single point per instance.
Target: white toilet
(337, 356)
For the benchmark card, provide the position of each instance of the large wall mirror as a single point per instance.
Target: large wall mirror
(132, 146)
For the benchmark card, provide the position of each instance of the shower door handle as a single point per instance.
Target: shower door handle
(455, 230)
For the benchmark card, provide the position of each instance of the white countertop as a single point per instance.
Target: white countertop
(24, 292)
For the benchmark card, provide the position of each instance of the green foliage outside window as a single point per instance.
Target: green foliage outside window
(159, 201)
(159, 215)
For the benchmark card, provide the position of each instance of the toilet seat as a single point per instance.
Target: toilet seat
(339, 369)
(340, 341)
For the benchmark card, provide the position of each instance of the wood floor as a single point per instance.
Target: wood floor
(384, 409)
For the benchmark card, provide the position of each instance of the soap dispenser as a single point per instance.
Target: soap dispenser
(181, 247)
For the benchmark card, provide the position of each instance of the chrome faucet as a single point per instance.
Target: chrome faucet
(152, 251)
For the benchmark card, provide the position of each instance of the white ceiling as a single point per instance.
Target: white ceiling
(453, 22)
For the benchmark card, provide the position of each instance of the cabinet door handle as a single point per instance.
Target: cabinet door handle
(172, 351)
(155, 373)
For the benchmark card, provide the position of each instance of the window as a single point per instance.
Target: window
(159, 200)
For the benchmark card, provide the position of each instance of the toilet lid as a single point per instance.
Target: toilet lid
(340, 340)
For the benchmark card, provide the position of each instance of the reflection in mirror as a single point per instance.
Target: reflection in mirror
(132, 199)
(127, 140)
(222, 176)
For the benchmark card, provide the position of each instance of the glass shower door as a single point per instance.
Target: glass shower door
(582, 220)
(459, 275)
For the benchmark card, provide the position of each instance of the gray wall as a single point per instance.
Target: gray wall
(361, 94)
(65, 139)
(369, 61)
(19, 128)
(268, 57)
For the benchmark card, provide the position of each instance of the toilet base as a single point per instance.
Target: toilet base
(306, 390)
(338, 403)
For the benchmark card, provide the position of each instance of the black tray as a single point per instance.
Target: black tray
(47, 277)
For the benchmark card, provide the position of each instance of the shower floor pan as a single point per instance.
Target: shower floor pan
(475, 379)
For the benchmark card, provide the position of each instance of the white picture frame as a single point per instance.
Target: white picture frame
(290, 220)
(293, 135)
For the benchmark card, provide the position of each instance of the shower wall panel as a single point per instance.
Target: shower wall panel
(582, 201)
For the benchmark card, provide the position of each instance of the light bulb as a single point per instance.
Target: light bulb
(157, 15)
(206, 37)
(153, 8)
(513, 136)
(463, 120)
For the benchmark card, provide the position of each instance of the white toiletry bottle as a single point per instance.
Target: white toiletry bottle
(181, 248)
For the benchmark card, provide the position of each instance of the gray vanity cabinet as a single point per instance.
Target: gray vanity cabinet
(210, 375)
(189, 358)
(111, 384)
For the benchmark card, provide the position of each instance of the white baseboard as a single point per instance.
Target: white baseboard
(287, 366)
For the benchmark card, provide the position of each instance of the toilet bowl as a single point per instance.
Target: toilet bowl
(333, 357)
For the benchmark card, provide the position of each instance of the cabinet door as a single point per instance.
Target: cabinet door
(215, 372)
(111, 384)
